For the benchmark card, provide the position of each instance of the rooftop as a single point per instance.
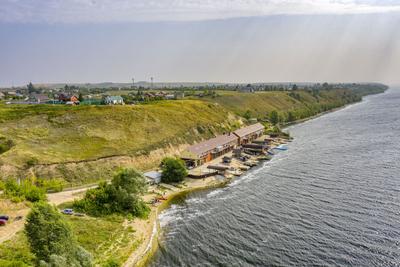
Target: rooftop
(114, 98)
(249, 129)
(205, 146)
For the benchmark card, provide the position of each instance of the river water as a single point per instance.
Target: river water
(332, 199)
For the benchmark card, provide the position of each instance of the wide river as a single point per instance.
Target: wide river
(332, 199)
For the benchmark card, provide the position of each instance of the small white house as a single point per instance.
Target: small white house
(114, 100)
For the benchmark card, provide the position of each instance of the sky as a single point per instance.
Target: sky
(68, 41)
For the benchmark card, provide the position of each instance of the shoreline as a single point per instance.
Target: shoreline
(287, 125)
(143, 254)
(140, 257)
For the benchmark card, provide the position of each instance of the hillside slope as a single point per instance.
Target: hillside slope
(56, 136)
(300, 103)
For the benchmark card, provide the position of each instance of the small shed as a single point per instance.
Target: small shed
(114, 100)
(154, 177)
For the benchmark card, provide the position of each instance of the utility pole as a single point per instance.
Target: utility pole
(152, 82)
(133, 82)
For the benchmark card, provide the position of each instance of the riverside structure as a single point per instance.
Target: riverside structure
(205, 151)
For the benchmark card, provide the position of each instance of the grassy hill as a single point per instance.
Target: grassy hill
(87, 143)
(300, 103)
(46, 134)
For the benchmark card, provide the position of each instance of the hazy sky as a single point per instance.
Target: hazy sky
(199, 40)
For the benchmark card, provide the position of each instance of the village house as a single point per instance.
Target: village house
(2, 95)
(208, 150)
(68, 99)
(247, 134)
(247, 89)
(38, 98)
(114, 100)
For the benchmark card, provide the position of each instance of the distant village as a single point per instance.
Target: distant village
(124, 94)
(75, 96)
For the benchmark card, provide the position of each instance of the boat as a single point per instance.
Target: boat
(281, 147)
(270, 153)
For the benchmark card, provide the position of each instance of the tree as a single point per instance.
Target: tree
(291, 117)
(80, 97)
(247, 115)
(31, 88)
(122, 196)
(51, 239)
(173, 170)
(131, 180)
(274, 117)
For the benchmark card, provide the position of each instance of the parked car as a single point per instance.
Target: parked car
(3, 222)
(4, 217)
(68, 211)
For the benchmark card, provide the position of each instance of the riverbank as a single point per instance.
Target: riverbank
(148, 230)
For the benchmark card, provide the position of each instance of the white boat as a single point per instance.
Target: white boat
(282, 147)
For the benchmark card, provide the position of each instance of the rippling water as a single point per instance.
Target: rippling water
(332, 199)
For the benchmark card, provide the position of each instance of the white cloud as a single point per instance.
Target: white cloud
(74, 11)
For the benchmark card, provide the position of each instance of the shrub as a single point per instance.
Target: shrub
(173, 170)
(122, 196)
(27, 190)
(111, 263)
(31, 162)
(51, 185)
(5, 144)
(274, 117)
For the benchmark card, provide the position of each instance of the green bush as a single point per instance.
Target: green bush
(51, 185)
(31, 162)
(26, 190)
(5, 144)
(122, 196)
(173, 170)
(111, 263)
(12, 263)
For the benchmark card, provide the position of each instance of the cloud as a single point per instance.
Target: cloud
(94, 11)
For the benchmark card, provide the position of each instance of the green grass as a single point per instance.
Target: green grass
(105, 238)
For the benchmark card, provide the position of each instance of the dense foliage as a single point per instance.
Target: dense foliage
(122, 196)
(26, 190)
(173, 170)
(51, 239)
